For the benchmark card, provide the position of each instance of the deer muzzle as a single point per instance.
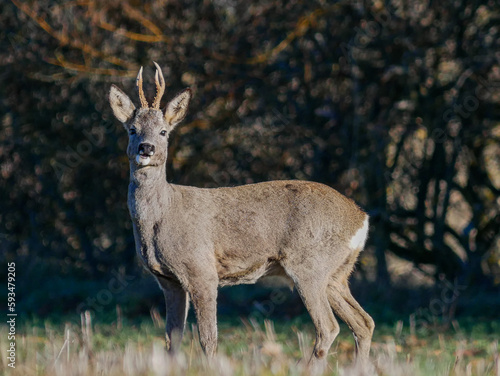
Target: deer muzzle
(144, 154)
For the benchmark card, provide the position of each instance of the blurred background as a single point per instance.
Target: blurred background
(393, 103)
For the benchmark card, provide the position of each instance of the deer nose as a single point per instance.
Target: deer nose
(146, 149)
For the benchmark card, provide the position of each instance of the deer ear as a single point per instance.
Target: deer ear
(176, 109)
(122, 106)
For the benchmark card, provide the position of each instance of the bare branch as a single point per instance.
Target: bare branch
(131, 35)
(72, 42)
(302, 26)
(60, 61)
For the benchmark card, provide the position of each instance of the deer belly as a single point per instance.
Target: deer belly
(231, 274)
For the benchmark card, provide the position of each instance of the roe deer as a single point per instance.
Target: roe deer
(194, 239)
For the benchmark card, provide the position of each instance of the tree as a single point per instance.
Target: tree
(394, 104)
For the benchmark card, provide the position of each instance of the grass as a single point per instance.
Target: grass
(135, 347)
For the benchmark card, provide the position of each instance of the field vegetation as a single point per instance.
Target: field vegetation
(444, 329)
(246, 347)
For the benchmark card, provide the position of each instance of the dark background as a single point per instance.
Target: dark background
(393, 103)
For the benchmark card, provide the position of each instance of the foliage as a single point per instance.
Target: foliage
(393, 103)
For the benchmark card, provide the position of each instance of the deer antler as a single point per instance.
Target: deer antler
(160, 87)
(142, 97)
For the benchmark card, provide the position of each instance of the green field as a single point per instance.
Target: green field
(135, 347)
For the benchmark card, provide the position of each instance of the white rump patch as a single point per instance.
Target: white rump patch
(359, 238)
(141, 160)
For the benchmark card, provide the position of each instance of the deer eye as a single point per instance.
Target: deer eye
(132, 131)
(163, 133)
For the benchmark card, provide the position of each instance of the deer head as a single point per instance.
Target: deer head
(148, 127)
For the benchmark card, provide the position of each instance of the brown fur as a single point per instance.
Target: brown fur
(194, 240)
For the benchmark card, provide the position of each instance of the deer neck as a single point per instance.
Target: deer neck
(148, 177)
(149, 192)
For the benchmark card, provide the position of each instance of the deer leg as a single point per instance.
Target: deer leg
(348, 310)
(327, 328)
(177, 303)
(205, 304)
